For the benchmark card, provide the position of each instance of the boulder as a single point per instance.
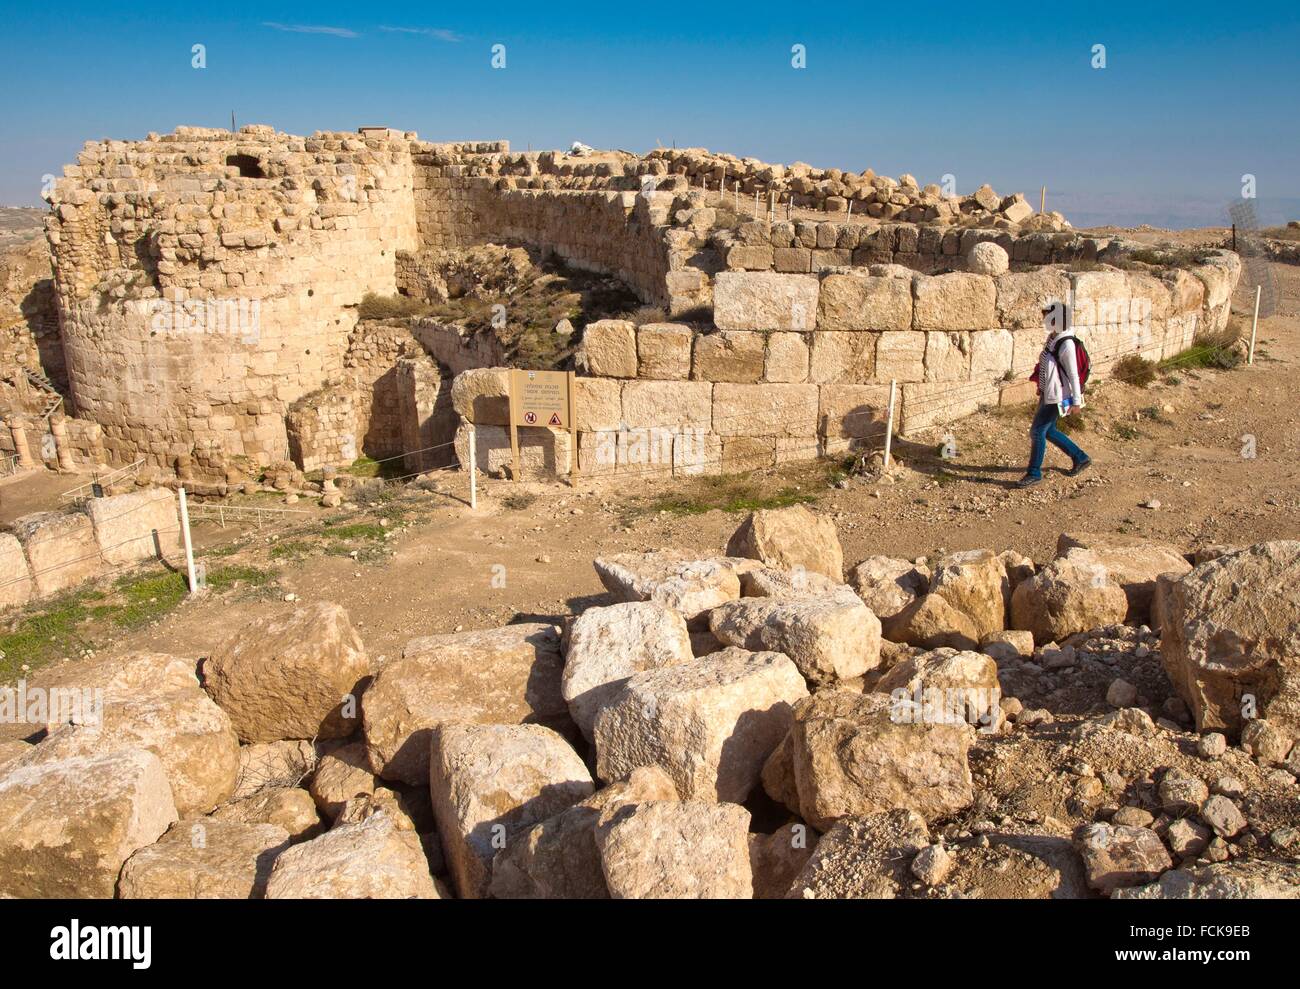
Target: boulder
(286, 807)
(988, 258)
(489, 783)
(1118, 856)
(66, 826)
(666, 850)
(688, 585)
(1244, 879)
(863, 858)
(340, 776)
(789, 538)
(1132, 562)
(605, 646)
(1073, 593)
(1231, 629)
(709, 724)
(292, 675)
(776, 859)
(204, 859)
(833, 637)
(557, 859)
(509, 675)
(887, 585)
(962, 685)
(852, 757)
(975, 583)
(930, 622)
(370, 860)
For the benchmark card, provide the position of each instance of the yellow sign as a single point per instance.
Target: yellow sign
(544, 399)
(540, 398)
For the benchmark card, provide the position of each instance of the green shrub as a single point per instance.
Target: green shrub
(1134, 370)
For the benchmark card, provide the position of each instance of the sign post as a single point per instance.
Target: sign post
(543, 399)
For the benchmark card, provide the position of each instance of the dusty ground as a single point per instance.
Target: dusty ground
(527, 550)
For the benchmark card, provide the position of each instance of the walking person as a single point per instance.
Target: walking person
(1061, 375)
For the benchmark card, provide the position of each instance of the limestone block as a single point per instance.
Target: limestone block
(842, 358)
(599, 403)
(482, 395)
(956, 301)
(668, 404)
(765, 410)
(764, 301)
(947, 356)
(608, 349)
(489, 783)
(1022, 296)
(991, 354)
(849, 413)
(787, 358)
(204, 859)
(508, 675)
(61, 550)
(864, 302)
(746, 453)
(709, 724)
(16, 583)
(900, 356)
(373, 859)
(664, 351)
(735, 356)
(142, 525)
(542, 452)
(1101, 298)
(67, 825)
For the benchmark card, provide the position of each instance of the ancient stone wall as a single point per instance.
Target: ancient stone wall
(800, 364)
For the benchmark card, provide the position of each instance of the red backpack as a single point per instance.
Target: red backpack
(1083, 363)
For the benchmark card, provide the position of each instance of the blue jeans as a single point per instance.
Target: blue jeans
(1043, 429)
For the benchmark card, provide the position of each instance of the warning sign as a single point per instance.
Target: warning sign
(540, 397)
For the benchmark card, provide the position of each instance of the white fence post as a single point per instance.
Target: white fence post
(189, 546)
(1254, 326)
(889, 423)
(473, 468)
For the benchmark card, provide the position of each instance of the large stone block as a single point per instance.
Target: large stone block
(664, 351)
(1021, 297)
(599, 403)
(956, 301)
(709, 724)
(482, 396)
(790, 538)
(142, 525)
(68, 825)
(61, 550)
(507, 675)
(764, 410)
(290, 675)
(668, 404)
(373, 859)
(543, 452)
(488, 783)
(761, 300)
(947, 356)
(1100, 298)
(736, 356)
(991, 354)
(1132, 562)
(843, 358)
(204, 859)
(787, 358)
(864, 302)
(608, 349)
(686, 584)
(16, 585)
(900, 356)
(853, 415)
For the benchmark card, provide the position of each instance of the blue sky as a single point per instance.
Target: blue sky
(1193, 95)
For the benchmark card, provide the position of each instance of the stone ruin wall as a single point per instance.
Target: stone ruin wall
(799, 362)
(811, 319)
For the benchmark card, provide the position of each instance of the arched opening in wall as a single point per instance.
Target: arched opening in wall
(249, 167)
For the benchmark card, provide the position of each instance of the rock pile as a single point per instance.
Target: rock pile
(743, 725)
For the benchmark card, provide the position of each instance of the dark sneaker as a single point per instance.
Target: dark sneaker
(1079, 468)
(1028, 482)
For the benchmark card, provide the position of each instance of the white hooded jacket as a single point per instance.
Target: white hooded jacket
(1055, 386)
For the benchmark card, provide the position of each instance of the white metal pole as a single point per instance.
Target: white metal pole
(1254, 326)
(473, 468)
(889, 425)
(189, 546)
